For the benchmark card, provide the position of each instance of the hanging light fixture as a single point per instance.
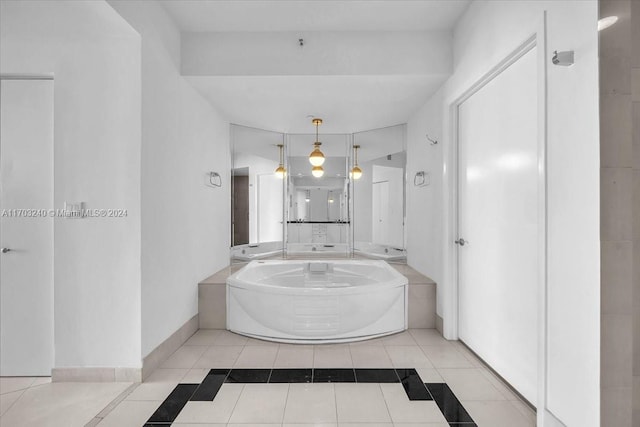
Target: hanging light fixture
(316, 158)
(317, 171)
(356, 172)
(281, 172)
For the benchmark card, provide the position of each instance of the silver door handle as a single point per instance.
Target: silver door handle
(460, 242)
(5, 250)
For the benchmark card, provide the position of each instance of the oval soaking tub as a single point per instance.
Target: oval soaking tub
(317, 301)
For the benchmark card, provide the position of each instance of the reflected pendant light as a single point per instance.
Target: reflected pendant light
(281, 172)
(317, 171)
(356, 172)
(316, 158)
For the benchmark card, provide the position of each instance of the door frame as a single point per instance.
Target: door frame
(451, 202)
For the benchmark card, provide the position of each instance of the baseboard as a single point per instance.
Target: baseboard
(96, 375)
(439, 324)
(162, 352)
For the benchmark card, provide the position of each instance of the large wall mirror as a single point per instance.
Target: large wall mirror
(257, 206)
(354, 206)
(379, 193)
(318, 220)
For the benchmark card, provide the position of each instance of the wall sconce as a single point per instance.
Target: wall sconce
(432, 141)
(215, 180)
(563, 58)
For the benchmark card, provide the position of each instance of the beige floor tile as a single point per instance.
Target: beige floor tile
(305, 425)
(204, 337)
(294, 356)
(61, 404)
(11, 384)
(40, 381)
(428, 337)
(361, 403)
(472, 358)
(402, 338)
(501, 386)
(445, 356)
(130, 414)
(310, 403)
(257, 356)
(422, 425)
(229, 338)
(8, 399)
(255, 341)
(261, 403)
(151, 391)
(195, 376)
(408, 356)
(370, 357)
(184, 357)
(496, 414)
(525, 410)
(166, 376)
(217, 411)
(198, 425)
(429, 375)
(261, 425)
(403, 410)
(219, 356)
(369, 425)
(470, 384)
(334, 356)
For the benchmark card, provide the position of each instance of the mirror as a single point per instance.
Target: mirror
(318, 208)
(379, 194)
(329, 215)
(257, 206)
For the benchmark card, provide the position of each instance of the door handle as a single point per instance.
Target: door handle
(460, 242)
(5, 250)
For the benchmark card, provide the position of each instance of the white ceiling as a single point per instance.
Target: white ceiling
(346, 103)
(319, 15)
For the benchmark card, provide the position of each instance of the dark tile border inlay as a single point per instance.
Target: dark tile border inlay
(210, 385)
(173, 404)
(377, 376)
(248, 376)
(413, 385)
(334, 376)
(291, 376)
(449, 405)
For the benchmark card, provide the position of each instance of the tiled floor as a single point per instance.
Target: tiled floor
(340, 404)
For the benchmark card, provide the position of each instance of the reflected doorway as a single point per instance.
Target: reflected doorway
(240, 206)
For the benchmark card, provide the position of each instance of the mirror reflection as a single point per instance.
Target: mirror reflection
(318, 220)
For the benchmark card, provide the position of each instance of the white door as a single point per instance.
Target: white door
(380, 211)
(498, 209)
(270, 213)
(26, 238)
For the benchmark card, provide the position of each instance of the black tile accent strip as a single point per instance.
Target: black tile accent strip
(248, 376)
(334, 376)
(413, 385)
(377, 376)
(291, 376)
(448, 403)
(173, 404)
(210, 385)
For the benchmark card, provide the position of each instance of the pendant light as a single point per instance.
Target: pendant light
(317, 171)
(281, 172)
(316, 158)
(356, 172)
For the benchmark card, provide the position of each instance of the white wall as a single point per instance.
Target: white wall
(95, 59)
(424, 204)
(185, 224)
(486, 34)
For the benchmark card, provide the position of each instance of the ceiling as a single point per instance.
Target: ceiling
(319, 15)
(348, 103)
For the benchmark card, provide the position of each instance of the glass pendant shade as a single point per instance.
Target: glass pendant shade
(356, 172)
(316, 158)
(281, 172)
(317, 171)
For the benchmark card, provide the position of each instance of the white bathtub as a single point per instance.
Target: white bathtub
(317, 301)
